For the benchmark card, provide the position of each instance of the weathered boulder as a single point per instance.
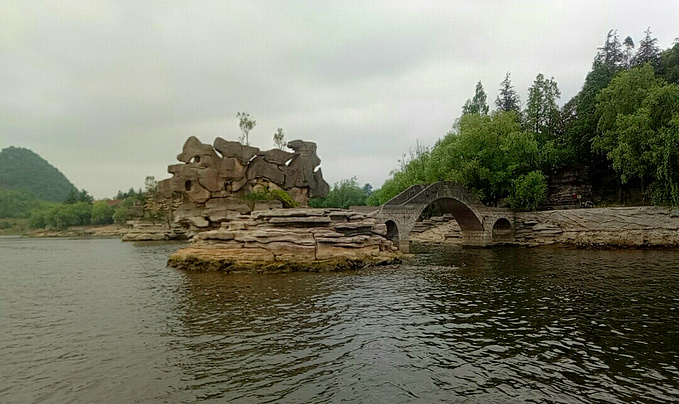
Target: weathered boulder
(260, 168)
(211, 180)
(243, 153)
(196, 192)
(224, 209)
(196, 152)
(231, 169)
(276, 156)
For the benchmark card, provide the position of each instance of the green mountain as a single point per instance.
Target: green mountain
(22, 169)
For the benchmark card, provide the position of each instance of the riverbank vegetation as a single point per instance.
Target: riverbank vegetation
(621, 132)
(22, 211)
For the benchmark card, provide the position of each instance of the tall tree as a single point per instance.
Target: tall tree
(611, 53)
(508, 99)
(246, 124)
(630, 116)
(476, 105)
(582, 121)
(648, 51)
(541, 116)
(628, 52)
(669, 64)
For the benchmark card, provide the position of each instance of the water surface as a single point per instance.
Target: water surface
(97, 320)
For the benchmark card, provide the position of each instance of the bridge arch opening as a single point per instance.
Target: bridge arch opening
(463, 215)
(503, 232)
(392, 231)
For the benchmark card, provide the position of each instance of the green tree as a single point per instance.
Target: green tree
(17, 204)
(279, 138)
(62, 216)
(120, 214)
(528, 191)
(246, 124)
(412, 170)
(611, 53)
(344, 194)
(637, 131)
(102, 213)
(668, 67)
(151, 185)
(508, 100)
(476, 105)
(648, 51)
(542, 112)
(581, 120)
(76, 196)
(628, 52)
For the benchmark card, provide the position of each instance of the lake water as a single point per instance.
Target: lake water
(97, 320)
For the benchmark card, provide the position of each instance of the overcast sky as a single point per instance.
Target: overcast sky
(108, 91)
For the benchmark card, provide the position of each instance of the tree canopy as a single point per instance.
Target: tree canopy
(621, 129)
(477, 105)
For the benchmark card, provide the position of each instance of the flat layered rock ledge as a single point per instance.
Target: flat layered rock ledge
(288, 240)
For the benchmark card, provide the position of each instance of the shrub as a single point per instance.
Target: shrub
(528, 191)
(102, 213)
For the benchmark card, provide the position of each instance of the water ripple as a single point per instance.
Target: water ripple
(100, 320)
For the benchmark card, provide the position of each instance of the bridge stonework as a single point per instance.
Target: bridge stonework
(481, 226)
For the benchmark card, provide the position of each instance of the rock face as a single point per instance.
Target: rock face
(644, 226)
(213, 182)
(285, 240)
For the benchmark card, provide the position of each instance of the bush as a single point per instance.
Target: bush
(528, 191)
(120, 215)
(61, 216)
(102, 213)
(344, 194)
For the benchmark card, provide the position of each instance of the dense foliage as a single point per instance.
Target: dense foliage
(344, 194)
(61, 216)
(621, 129)
(17, 204)
(22, 169)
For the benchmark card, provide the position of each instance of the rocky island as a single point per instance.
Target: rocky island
(246, 210)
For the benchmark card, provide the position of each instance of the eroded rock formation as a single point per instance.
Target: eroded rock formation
(284, 240)
(213, 182)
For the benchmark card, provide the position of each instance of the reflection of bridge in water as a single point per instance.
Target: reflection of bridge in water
(481, 225)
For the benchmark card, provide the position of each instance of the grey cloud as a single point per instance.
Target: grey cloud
(108, 91)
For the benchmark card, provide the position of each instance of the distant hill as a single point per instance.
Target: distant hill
(22, 169)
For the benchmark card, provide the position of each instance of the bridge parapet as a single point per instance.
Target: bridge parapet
(405, 195)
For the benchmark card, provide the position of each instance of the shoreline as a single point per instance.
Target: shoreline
(94, 231)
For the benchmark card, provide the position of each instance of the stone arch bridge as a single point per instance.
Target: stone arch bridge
(480, 225)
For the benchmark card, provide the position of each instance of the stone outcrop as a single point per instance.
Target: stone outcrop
(643, 226)
(214, 181)
(285, 240)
